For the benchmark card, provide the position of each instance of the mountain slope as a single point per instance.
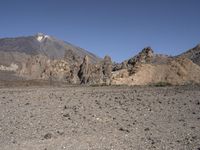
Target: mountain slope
(192, 54)
(41, 44)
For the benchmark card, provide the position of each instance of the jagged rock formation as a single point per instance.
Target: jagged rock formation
(145, 56)
(41, 67)
(117, 66)
(149, 68)
(46, 58)
(84, 73)
(74, 69)
(33, 67)
(107, 69)
(124, 65)
(96, 73)
(178, 71)
(60, 70)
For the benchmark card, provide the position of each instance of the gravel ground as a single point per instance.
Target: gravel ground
(100, 118)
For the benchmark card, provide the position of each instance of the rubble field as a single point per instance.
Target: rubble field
(100, 118)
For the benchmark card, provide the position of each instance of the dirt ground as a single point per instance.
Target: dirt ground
(99, 118)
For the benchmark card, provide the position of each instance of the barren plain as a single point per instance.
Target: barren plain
(99, 118)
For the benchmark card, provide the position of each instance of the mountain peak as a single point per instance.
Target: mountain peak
(41, 36)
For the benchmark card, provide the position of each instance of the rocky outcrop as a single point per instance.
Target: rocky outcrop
(60, 70)
(145, 56)
(176, 72)
(107, 70)
(84, 73)
(124, 65)
(117, 66)
(40, 67)
(149, 68)
(74, 69)
(95, 73)
(33, 67)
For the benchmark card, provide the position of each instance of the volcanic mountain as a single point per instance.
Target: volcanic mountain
(40, 57)
(40, 44)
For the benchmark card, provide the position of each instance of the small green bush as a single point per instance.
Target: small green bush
(162, 84)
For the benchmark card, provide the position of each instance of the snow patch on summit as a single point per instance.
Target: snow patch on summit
(40, 37)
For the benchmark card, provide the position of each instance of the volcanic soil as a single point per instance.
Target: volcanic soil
(100, 118)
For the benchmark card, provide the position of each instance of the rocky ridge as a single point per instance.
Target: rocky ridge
(149, 68)
(42, 57)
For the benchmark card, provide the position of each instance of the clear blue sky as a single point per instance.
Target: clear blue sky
(119, 28)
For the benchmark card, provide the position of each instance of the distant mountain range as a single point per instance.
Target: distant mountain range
(55, 48)
(45, 57)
